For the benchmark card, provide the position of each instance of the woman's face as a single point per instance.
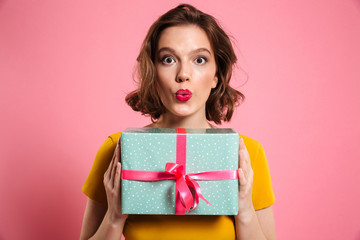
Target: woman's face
(186, 70)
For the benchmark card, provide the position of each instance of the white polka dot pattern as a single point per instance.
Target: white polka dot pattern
(150, 149)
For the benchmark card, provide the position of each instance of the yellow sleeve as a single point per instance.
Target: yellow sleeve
(262, 193)
(94, 186)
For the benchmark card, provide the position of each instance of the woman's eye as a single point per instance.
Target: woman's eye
(167, 60)
(200, 60)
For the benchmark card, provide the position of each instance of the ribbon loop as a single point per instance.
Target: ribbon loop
(174, 168)
(188, 189)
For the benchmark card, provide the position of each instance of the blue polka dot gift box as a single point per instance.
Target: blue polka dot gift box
(179, 171)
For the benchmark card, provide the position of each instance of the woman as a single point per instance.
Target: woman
(185, 66)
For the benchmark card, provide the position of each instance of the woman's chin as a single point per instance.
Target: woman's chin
(183, 112)
(180, 114)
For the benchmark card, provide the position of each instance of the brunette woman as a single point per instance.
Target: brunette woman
(185, 65)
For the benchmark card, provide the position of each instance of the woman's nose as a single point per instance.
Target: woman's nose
(183, 74)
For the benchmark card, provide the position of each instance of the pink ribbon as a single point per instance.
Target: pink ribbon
(188, 191)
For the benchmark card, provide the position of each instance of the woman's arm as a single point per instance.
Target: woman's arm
(256, 225)
(96, 221)
(101, 222)
(251, 224)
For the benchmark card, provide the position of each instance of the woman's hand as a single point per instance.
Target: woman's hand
(112, 185)
(246, 208)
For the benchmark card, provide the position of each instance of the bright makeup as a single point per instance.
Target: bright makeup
(183, 95)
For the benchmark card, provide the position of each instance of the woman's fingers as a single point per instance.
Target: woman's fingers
(243, 156)
(110, 173)
(113, 163)
(245, 171)
(245, 178)
(242, 178)
(119, 149)
(112, 183)
(116, 161)
(117, 176)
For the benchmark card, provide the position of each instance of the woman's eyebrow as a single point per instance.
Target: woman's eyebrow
(201, 50)
(192, 52)
(164, 49)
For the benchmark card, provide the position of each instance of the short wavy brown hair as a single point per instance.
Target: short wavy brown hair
(223, 98)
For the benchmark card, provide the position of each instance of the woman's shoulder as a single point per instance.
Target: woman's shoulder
(115, 136)
(109, 144)
(255, 149)
(250, 142)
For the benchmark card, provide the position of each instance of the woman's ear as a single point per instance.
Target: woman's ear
(215, 82)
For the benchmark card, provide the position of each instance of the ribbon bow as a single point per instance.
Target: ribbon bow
(189, 190)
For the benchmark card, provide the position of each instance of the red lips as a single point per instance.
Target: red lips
(183, 95)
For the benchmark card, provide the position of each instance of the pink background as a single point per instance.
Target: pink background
(65, 67)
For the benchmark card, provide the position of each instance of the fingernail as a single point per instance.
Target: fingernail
(118, 170)
(239, 170)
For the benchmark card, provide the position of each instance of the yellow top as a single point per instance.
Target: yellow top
(151, 227)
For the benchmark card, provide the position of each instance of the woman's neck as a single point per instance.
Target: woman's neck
(166, 121)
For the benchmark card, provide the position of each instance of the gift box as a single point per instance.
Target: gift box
(179, 171)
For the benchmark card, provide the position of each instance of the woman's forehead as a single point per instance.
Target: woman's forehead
(184, 38)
